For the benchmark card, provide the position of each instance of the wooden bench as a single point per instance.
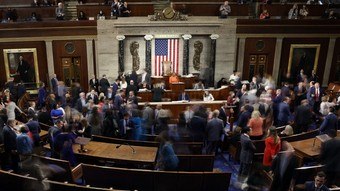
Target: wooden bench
(194, 163)
(109, 177)
(16, 182)
(69, 174)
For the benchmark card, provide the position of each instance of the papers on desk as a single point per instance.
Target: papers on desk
(323, 138)
(181, 101)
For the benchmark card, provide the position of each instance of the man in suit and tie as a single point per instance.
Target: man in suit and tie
(284, 112)
(285, 90)
(183, 97)
(54, 83)
(315, 93)
(300, 93)
(214, 131)
(104, 84)
(94, 83)
(223, 113)
(317, 184)
(81, 102)
(115, 87)
(247, 152)
(125, 125)
(148, 118)
(119, 101)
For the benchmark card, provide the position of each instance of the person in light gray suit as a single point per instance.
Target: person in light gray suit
(247, 153)
(148, 118)
(214, 131)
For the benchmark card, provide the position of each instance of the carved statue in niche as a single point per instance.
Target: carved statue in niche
(197, 56)
(134, 46)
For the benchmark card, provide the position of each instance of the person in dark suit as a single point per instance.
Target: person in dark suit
(157, 93)
(94, 83)
(283, 167)
(34, 128)
(244, 116)
(81, 102)
(54, 83)
(223, 113)
(115, 87)
(119, 101)
(183, 97)
(197, 126)
(42, 93)
(23, 70)
(104, 84)
(132, 99)
(247, 152)
(303, 117)
(330, 122)
(132, 87)
(93, 96)
(317, 184)
(315, 93)
(214, 131)
(285, 90)
(125, 125)
(284, 112)
(300, 94)
(329, 156)
(11, 156)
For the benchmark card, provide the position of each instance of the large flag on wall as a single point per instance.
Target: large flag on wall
(166, 50)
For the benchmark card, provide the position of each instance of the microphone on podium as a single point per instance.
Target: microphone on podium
(133, 150)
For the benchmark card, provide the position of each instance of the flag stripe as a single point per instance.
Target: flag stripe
(166, 50)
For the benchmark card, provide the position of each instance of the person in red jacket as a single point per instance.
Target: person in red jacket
(273, 146)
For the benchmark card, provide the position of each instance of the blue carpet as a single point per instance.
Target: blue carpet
(223, 163)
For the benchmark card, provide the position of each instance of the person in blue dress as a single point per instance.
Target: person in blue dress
(167, 159)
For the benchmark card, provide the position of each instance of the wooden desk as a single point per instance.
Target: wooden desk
(188, 81)
(178, 106)
(43, 135)
(123, 154)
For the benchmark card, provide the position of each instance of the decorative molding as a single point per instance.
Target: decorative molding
(214, 36)
(186, 36)
(148, 37)
(120, 37)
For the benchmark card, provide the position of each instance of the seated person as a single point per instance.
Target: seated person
(35, 3)
(183, 97)
(264, 14)
(332, 15)
(33, 17)
(208, 96)
(115, 7)
(11, 15)
(81, 16)
(144, 86)
(199, 86)
(225, 10)
(100, 15)
(124, 11)
(60, 12)
(303, 12)
(318, 183)
(293, 12)
(173, 78)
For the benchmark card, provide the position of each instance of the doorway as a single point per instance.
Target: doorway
(257, 65)
(71, 67)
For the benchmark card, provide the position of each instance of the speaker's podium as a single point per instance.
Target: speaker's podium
(177, 87)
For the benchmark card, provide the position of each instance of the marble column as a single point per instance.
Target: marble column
(50, 61)
(211, 80)
(328, 64)
(148, 39)
(90, 54)
(121, 38)
(277, 59)
(186, 38)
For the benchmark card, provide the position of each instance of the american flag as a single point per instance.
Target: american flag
(166, 50)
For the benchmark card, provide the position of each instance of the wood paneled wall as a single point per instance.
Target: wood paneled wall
(79, 51)
(251, 48)
(287, 42)
(41, 53)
